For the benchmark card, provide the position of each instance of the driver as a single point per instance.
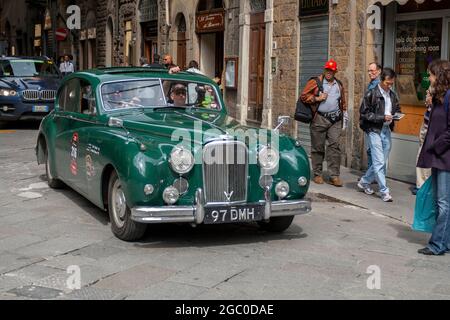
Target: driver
(178, 95)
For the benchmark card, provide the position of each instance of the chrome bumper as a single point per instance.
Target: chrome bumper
(195, 214)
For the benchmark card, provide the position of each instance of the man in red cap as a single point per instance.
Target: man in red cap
(325, 94)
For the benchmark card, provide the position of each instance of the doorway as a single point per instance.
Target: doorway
(256, 68)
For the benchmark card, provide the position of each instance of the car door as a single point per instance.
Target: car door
(71, 137)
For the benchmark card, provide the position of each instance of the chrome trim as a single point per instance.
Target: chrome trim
(195, 213)
(35, 95)
(241, 197)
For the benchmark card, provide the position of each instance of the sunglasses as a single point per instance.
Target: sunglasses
(180, 92)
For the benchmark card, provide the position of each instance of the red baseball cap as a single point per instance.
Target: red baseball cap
(331, 64)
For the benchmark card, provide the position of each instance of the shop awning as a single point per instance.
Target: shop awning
(402, 2)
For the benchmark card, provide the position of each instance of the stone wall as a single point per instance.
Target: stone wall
(347, 47)
(285, 80)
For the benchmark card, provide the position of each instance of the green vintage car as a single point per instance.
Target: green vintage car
(153, 147)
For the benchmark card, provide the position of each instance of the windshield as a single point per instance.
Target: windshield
(28, 68)
(153, 93)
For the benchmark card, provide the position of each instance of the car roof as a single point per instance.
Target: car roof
(118, 73)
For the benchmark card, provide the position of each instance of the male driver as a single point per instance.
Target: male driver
(327, 122)
(376, 111)
(178, 95)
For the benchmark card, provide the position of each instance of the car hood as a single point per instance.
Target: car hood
(33, 83)
(202, 126)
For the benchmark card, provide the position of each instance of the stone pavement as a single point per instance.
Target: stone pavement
(326, 254)
(402, 208)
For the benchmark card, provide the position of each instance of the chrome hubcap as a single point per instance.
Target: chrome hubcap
(119, 206)
(49, 174)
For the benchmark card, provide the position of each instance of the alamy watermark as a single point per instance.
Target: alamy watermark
(374, 280)
(73, 282)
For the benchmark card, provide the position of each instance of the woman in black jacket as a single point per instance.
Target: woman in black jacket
(435, 154)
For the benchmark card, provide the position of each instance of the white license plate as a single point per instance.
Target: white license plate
(40, 108)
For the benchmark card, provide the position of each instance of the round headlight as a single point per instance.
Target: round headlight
(12, 93)
(268, 158)
(282, 189)
(170, 195)
(302, 181)
(181, 160)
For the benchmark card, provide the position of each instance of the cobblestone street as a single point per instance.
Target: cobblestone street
(323, 255)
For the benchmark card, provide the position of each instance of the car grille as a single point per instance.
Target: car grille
(39, 95)
(225, 166)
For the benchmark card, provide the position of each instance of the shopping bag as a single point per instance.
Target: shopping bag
(425, 208)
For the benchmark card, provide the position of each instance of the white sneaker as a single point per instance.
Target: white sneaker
(365, 187)
(386, 197)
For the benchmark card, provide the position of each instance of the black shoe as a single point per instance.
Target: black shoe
(426, 251)
(414, 190)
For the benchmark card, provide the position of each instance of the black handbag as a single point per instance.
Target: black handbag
(303, 112)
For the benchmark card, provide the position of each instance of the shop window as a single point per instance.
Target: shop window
(257, 5)
(417, 43)
(206, 5)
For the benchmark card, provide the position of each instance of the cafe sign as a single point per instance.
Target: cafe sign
(210, 22)
(313, 7)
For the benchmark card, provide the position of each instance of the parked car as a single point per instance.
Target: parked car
(28, 87)
(153, 147)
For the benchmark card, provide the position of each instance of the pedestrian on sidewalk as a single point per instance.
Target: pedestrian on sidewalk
(435, 154)
(66, 67)
(422, 174)
(374, 75)
(376, 120)
(329, 107)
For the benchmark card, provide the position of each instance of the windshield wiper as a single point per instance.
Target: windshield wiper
(169, 107)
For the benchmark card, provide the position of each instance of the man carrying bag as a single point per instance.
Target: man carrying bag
(326, 98)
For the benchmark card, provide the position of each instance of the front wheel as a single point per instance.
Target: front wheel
(276, 224)
(120, 214)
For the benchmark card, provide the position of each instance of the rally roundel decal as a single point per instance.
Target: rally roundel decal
(74, 154)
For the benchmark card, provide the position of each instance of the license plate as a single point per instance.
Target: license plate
(40, 108)
(229, 214)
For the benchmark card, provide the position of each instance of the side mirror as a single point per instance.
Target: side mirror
(115, 122)
(282, 120)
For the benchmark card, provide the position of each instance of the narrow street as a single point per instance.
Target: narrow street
(326, 254)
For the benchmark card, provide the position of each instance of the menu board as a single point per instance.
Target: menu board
(417, 43)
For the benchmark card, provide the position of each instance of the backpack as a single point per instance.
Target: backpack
(304, 112)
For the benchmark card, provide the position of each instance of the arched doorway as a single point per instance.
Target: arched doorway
(210, 25)
(109, 43)
(181, 41)
(256, 61)
(149, 27)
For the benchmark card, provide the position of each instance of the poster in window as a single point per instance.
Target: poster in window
(231, 75)
(417, 43)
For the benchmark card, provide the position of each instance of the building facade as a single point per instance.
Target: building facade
(264, 51)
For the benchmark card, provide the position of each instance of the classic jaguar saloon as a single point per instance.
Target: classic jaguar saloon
(153, 147)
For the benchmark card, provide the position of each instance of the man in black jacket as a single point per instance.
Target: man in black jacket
(376, 119)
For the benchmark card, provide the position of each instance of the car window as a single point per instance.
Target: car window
(62, 97)
(188, 93)
(28, 68)
(72, 101)
(87, 98)
(132, 94)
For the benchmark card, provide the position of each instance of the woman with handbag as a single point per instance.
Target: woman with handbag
(435, 154)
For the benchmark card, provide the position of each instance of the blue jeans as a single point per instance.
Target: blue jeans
(440, 238)
(380, 147)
